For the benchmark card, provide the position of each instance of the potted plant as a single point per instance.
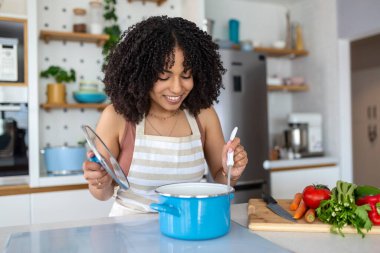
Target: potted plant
(56, 92)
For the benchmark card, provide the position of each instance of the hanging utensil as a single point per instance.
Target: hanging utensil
(230, 159)
(104, 157)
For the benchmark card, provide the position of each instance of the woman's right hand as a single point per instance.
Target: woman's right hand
(95, 175)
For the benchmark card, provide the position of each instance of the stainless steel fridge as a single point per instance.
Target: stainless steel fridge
(243, 103)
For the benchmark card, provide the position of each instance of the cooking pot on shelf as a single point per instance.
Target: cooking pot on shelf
(64, 160)
(194, 211)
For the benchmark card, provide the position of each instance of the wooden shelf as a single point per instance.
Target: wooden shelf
(275, 52)
(288, 88)
(159, 2)
(73, 106)
(13, 84)
(99, 39)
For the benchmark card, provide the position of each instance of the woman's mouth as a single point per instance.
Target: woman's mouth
(173, 99)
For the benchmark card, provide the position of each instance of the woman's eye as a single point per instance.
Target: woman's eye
(186, 77)
(163, 78)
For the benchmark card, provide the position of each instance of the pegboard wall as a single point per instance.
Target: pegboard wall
(62, 126)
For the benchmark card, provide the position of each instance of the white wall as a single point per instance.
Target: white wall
(261, 22)
(320, 67)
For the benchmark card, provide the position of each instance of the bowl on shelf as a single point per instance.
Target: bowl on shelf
(88, 86)
(89, 96)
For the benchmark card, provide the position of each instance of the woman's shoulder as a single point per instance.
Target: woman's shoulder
(208, 112)
(110, 116)
(110, 119)
(208, 117)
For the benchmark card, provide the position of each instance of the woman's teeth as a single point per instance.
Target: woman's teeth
(173, 99)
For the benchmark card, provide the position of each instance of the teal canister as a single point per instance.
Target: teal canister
(233, 25)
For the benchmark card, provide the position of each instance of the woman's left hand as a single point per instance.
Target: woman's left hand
(240, 158)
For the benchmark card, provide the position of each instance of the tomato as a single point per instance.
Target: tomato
(313, 195)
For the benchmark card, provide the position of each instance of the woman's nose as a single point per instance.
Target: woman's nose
(176, 86)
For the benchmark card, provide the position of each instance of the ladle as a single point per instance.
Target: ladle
(230, 159)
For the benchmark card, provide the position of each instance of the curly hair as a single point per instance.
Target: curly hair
(145, 50)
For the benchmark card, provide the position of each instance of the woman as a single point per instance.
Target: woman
(162, 78)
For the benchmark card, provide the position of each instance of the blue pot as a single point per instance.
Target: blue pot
(194, 211)
(64, 160)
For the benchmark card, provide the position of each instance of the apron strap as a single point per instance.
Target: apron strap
(192, 122)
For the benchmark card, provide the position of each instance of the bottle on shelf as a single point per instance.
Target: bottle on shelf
(79, 20)
(288, 41)
(96, 17)
(298, 37)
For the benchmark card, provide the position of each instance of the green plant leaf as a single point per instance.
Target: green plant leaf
(59, 74)
(113, 29)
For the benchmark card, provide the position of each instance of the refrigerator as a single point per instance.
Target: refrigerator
(243, 103)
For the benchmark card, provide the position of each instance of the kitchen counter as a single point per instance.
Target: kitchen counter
(313, 162)
(296, 242)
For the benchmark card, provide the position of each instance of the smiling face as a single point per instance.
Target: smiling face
(172, 87)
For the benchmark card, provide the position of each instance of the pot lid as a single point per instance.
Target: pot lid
(104, 157)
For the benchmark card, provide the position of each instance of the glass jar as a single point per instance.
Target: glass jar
(79, 20)
(96, 17)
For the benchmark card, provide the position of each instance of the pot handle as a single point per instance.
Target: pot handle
(165, 208)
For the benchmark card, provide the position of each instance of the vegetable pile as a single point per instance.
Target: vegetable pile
(346, 204)
(341, 210)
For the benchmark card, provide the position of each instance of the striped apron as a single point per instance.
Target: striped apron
(157, 161)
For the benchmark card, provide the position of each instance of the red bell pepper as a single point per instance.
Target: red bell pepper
(372, 201)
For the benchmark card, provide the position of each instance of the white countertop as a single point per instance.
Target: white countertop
(302, 162)
(297, 242)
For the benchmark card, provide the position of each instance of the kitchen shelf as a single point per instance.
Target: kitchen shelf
(288, 88)
(159, 2)
(73, 106)
(99, 39)
(275, 52)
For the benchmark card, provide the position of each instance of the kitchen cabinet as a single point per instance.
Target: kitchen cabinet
(23, 205)
(15, 210)
(285, 183)
(57, 206)
(67, 206)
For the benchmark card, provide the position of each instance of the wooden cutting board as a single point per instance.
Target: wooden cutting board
(260, 218)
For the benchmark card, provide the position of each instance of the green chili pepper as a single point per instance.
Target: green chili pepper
(366, 190)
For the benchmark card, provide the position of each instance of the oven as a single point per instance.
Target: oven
(13, 140)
